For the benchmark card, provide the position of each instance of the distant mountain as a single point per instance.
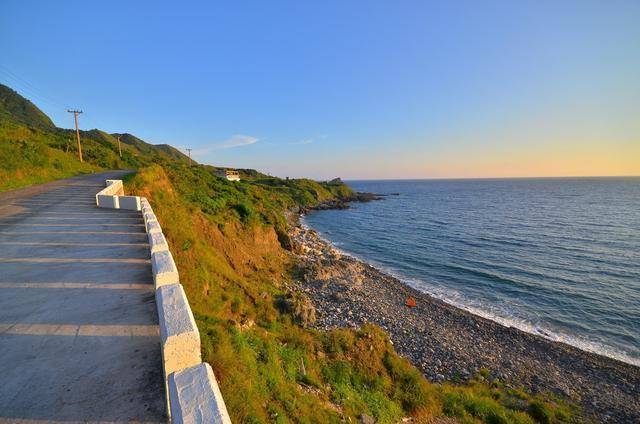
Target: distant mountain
(100, 136)
(146, 148)
(15, 107)
(172, 152)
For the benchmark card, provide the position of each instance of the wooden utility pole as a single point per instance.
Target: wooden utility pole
(75, 116)
(189, 150)
(119, 148)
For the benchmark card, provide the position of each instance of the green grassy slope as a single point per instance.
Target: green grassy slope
(33, 150)
(32, 156)
(143, 147)
(15, 107)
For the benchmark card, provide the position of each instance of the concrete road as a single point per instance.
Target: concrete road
(79, 337)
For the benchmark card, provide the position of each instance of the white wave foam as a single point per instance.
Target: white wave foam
(510, 318)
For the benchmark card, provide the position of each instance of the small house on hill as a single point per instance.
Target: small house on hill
(229, 174)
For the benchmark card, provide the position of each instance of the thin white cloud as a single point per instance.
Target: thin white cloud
(302, 142)
(308, 140)
(237, 141)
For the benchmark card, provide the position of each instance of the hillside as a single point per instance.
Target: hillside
(33, 150)
(231, 245)
(151, 149)
(15, 107)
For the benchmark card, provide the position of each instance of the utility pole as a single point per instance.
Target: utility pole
(189, 150)
(119, 149)
(75, 116)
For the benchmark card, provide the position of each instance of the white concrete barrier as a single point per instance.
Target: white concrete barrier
(178, 330)
(195, 397)
(153, 226)
(107, 201)
(164, 269)
(149, 216)
(115, 187)
(157, 242)
(112, 197)
(129, 202)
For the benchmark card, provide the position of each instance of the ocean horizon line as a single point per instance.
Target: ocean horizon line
(569, 177)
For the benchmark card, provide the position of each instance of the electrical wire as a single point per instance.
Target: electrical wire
(41, 97)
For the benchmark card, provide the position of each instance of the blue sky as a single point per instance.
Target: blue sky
(357, 89)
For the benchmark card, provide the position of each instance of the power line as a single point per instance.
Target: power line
(189, 150)
(36, 92)
(39, 95)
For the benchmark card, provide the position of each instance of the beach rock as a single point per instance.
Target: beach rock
(366, 419)
(301, 307)
(285, 239)
(368, 197)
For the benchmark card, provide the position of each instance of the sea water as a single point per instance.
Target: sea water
(558, 257)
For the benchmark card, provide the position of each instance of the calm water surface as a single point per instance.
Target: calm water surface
(557, 257)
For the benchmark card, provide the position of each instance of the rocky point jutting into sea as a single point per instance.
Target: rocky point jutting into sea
(450, 344)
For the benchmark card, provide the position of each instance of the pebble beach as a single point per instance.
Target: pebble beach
(450, 344)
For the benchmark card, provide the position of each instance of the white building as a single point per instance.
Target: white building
(229, 174)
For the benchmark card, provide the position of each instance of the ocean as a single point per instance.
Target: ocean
(558, 257)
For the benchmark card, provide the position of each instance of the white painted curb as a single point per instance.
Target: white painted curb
(112, 197)
(149, 216)
(193, 395)
(107, 201)
(164, 269)
(153, 226)
(196, 398)
(178, 330)
(129, 202)
(157, 242)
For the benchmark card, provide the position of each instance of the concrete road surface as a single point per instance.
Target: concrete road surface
(79, 338)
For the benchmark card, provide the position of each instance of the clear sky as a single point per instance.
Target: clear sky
(357, 89)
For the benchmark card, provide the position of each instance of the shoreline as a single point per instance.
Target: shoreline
(546, 334)
(448, 343)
